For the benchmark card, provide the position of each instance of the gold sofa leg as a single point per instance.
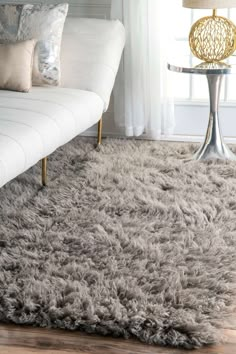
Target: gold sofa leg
(44, 171)
(99, 140)
(44, 161)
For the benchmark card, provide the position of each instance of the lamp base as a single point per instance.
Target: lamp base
(213, 38)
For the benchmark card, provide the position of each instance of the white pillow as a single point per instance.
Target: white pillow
(45, 24)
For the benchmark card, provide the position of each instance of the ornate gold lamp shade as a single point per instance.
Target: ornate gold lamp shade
(212, 38)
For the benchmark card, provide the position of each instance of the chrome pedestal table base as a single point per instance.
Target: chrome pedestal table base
(213, 146)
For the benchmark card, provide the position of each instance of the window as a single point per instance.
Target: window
(194, 87)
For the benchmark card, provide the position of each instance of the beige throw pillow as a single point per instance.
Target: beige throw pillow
(16, 62)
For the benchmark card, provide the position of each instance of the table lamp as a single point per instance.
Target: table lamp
(212, 38)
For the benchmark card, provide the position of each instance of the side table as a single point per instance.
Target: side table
(213, 146)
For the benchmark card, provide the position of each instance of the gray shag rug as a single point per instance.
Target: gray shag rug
(129, 241)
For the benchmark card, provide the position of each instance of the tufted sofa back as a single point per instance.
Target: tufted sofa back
(91, 52)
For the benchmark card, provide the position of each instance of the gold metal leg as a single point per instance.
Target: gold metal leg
(99, 141)
(44, 171)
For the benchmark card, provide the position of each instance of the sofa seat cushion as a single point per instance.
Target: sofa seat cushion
(33, 125)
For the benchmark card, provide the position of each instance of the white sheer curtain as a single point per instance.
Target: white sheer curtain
(143, 97)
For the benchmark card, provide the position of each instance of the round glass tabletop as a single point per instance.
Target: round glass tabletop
(192, 65)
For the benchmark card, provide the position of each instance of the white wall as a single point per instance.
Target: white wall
(87, 8)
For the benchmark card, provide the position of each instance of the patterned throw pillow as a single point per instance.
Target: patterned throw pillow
(45, 24)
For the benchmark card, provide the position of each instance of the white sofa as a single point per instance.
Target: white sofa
(33, 125)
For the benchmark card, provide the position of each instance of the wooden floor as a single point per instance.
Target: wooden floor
(21, 340)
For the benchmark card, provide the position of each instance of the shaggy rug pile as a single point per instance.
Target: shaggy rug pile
(132, 240)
